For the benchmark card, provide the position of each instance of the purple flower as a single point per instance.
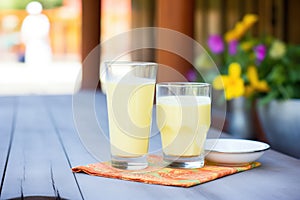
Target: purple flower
(216, 44)
(232, 49)
(191, 75)
(260, 52)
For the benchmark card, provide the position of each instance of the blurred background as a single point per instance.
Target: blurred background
(76, 27)
(65, 40)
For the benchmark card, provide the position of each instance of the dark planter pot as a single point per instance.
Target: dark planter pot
(281, 124)
(240, 119)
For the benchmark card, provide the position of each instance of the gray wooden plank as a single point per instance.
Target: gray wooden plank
(37, 165)
(7, 113)
(61, 107)
(276, 178)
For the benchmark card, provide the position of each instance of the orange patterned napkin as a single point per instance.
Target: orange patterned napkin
(164, 176)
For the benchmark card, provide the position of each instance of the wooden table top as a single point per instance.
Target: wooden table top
(40, 144)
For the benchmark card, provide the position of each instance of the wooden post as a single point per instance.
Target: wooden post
(142, 16)
(177, 15)
(91, 12)
(293, 30)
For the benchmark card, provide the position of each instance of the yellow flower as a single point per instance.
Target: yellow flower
(232, 83)
(219, 81)
(239, 30)
(247, 45)
(249, 90)
(235, 88)
(262, 86)
(277, 49)
(249, 20)
(255, 83)
(234, 70)
(252, 75)
(230, 35)
(241, 27)
(236, 33)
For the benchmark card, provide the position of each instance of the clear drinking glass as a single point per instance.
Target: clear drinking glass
(130, 91)
(183, 118)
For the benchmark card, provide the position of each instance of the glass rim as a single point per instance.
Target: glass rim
(182, 84)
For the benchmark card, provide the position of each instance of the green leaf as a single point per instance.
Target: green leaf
(268, 98)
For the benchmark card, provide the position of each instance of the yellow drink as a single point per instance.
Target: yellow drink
(129, 114)
(183, 122)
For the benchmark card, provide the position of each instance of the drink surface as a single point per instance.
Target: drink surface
(129, 114)
(183, 122)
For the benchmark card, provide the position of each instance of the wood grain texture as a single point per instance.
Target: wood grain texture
(7, 121)
(37, 165)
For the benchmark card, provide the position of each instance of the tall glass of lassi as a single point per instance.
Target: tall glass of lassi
(130, 91)
(183, 118)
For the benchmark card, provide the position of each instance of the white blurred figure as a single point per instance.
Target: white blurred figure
(35, 35)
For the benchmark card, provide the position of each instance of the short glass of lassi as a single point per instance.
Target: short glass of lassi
(130, 93)
(183, 114)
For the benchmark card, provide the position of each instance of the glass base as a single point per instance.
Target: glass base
(129, 163)
(186, 162)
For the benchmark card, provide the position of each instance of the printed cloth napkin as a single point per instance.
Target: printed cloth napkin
(155, 174)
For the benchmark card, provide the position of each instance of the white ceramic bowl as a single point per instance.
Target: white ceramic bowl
(234, 152)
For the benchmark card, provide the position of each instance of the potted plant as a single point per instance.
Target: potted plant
(265, 70)
(279, 108)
